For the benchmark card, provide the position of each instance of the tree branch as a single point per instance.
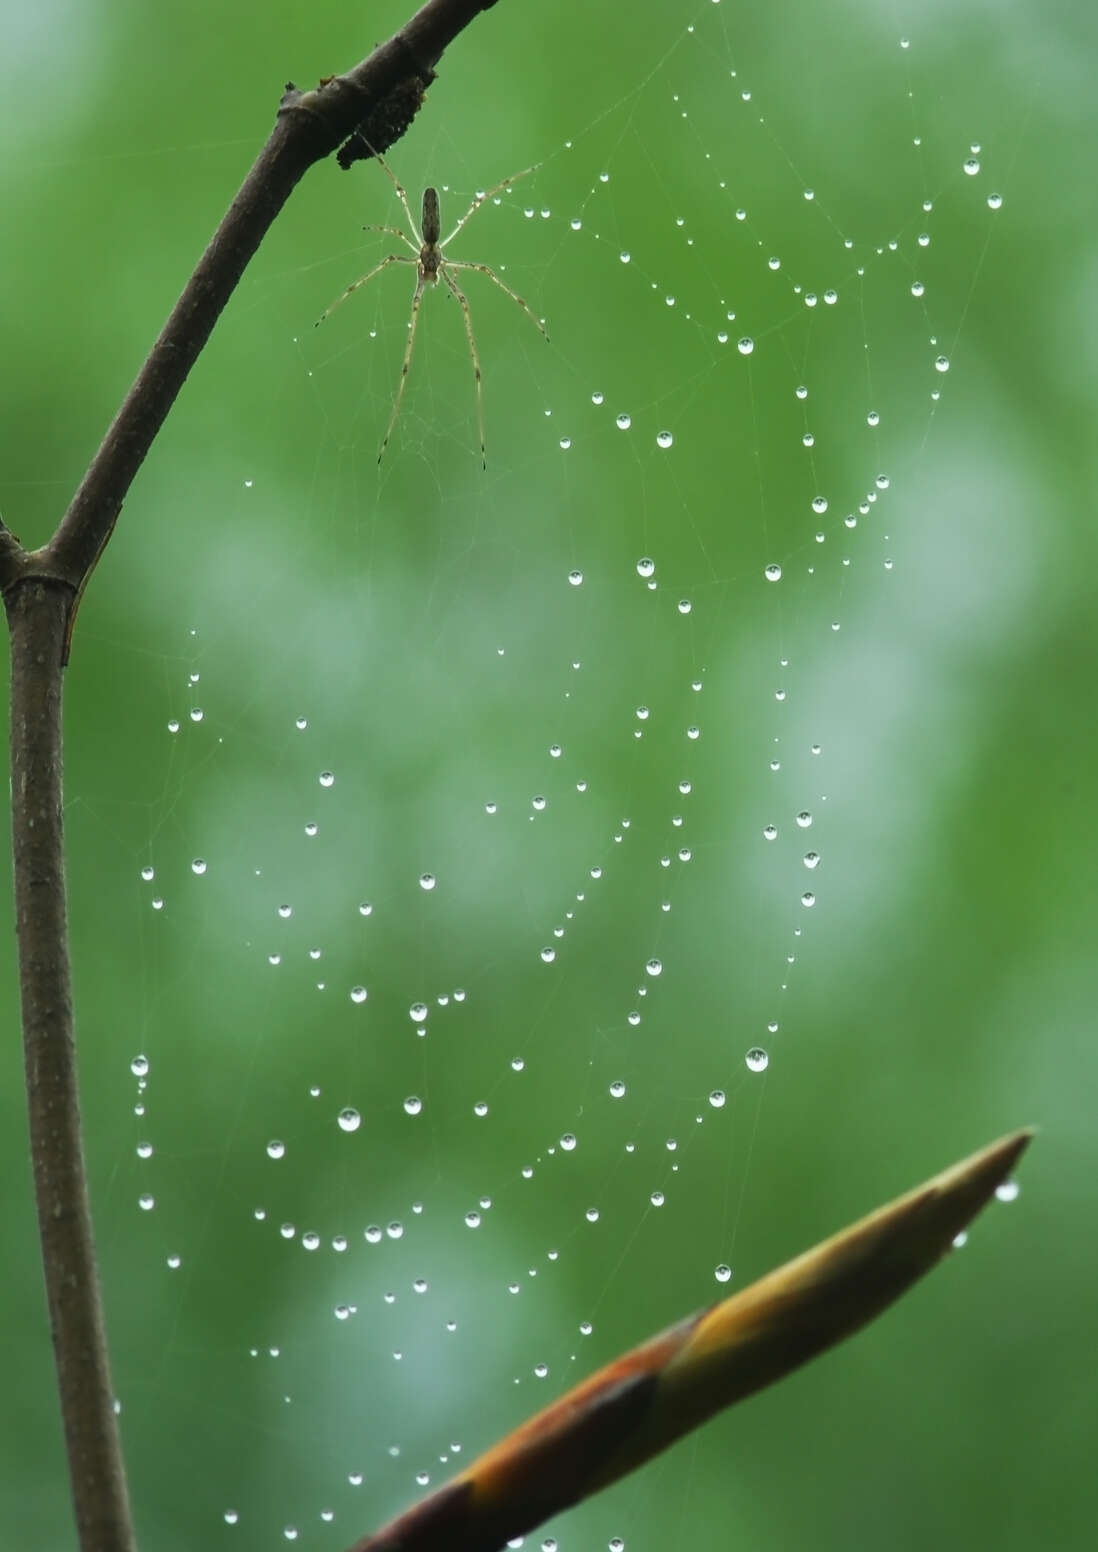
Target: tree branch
(37, 614)
(42, 590)
(309, 127)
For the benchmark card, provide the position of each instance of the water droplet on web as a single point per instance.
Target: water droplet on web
(717, 1099)
(723, 1273)
(941, 363)
(592, 1215)
(624, 421)
(756, 1059)
(413, 1105)
(745, 346)
(326, 779)
(139, 1066)
(575, 578)
(427, 881)
(664, 439)
(198, 867)
(654, 967)
(349, 1119)
(804, 819)
(276, 1149)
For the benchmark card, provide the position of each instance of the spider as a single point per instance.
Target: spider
(428, 255)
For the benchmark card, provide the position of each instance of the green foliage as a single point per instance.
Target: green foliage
(942, 990)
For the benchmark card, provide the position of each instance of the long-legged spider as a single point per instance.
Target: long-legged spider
(428, 254)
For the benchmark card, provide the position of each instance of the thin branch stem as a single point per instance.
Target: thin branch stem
(37, 615)
(42, 590)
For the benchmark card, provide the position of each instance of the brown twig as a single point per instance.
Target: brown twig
(42, 590)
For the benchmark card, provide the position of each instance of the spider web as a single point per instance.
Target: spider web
(513, 857)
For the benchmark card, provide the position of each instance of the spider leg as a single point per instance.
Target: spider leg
(390, 258)
(486, 269)
(394, 231)
(482, 199)
(405, 365)
(403, 197)
(471, 337)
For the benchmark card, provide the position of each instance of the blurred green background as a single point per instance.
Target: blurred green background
(565, 689)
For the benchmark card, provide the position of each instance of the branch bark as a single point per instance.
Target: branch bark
(37, 616)
(42, 590)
